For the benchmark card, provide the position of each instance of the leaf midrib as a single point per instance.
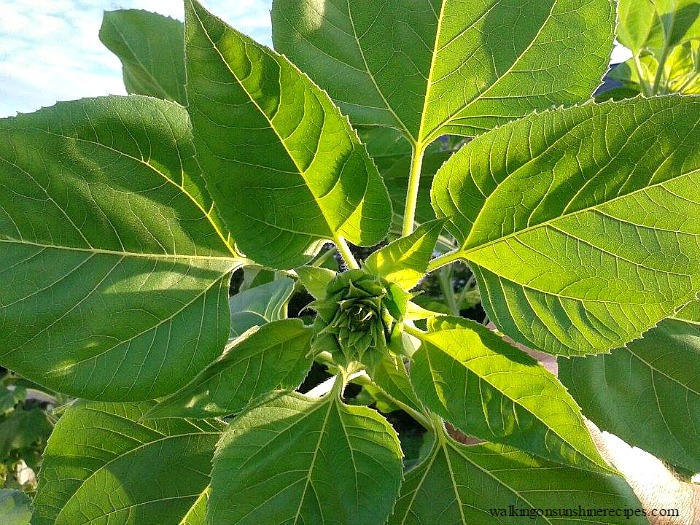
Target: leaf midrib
(551, 223)
(143, 162)
(282, 140)
(124, 254)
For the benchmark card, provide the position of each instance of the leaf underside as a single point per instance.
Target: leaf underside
(272, 358)
(151, 48)
(463, 485)
(647, 393)
(491, 390)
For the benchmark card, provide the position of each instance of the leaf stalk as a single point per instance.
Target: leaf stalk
(409, 215)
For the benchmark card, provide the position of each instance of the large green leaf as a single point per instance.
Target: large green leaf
(285, 167)
(429, 67)
(117, 264)
(151, 48)
(489, 389)
(494, 484)
(105, 465)
(647, 393)
(260, 305)
(303, 460)
(582, 225)
(274, 357)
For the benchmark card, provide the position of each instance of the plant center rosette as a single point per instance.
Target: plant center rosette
(358, 317)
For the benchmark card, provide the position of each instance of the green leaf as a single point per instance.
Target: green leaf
(260, 305)
(273, 357)
(151, 48)
(681, 70)
(315, 280)
(15, 508)
(464, 485)
(390, 375)
(635, 20)
(690, 312)
(105, 465)
(582, 225)
(284, 166)
(648, 393)
(487, 388)
(404, 261)
(303, 460)
(676, 21)
(118, 264)
(430, 67)
(22, 429)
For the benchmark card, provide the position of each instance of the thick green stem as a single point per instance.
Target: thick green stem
(409, 214)
(642, 78)
(445, 280)
(345, 252)
(442, 260)
(415, 332)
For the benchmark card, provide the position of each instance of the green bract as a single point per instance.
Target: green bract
(357, 315)
(191, 261)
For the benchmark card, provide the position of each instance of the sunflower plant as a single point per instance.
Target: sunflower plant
(460, 141)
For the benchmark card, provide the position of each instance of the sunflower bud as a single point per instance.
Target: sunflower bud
(357, 316)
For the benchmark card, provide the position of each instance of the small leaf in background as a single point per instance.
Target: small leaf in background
(297, 175)
(303, 460)
(15, 508)
(681, 71)
(151, 48)
(647, 393)
(428, 67)
(104, 464)
(405, 260)
(271, 358)
(567, 216)
(104, 200)
(260, 305)
(484, 484)
(489, 389)
(315, 280)
(657, 23)
(23, 428)
(636, 18)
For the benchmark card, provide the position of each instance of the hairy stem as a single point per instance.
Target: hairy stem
(345, 252)
(642, 79)
(442, 260)
(445, 280)
(409, 214)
